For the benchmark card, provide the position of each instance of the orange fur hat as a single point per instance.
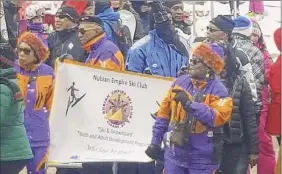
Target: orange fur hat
(36, 43)
(212, 55)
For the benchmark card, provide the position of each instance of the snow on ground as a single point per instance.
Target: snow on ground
(269, 23)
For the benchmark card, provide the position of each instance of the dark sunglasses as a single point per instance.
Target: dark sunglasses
(63, 16)
(26, 51)
(82, 31)
(212, 29)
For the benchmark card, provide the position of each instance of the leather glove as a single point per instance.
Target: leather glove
(65, 56)
(182, 97)
(183, 71)
(155, 152)
(159, 12)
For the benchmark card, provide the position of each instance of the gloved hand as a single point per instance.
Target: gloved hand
(159, 12)
(155, 152)
(65, 56)
(182, 97)
(183, 71)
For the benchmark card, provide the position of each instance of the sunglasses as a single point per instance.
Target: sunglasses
(63, 16)
(212, 29)
(26, 51)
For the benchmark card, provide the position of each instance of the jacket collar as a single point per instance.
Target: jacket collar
(92, 44)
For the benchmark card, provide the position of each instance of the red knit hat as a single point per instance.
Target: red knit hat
(212, 55)
(35, 42)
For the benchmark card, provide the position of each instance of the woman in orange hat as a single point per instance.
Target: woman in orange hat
(36, 81)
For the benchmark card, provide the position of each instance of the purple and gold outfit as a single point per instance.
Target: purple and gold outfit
(36, 84)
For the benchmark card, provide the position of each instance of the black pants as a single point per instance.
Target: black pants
(12, 167)
(98, 168)
(234, 159)
(231, 5)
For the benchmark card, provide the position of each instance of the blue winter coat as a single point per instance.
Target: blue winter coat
(109, 17)
(152, 53)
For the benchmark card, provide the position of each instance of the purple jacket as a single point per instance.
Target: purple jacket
(37, 88)
(104, 53)
(213, 112)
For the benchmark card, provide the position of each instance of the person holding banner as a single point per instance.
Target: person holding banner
(191, 117)
(101, 51)
(36, 81)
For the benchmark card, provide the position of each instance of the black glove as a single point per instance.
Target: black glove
(182, 97)
(65, 56)
(159, 12)
(155, 152)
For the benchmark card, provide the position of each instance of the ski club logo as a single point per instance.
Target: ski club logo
(73, 99)
(117, 109)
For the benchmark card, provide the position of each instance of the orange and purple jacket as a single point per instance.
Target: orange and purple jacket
(37, 88)
(214, 111)
(104, 53)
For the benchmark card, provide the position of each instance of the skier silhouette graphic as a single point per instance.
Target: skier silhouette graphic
(73, 100)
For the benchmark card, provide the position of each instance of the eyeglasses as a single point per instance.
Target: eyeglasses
(82, 31)
(26, 51)
(212, 29)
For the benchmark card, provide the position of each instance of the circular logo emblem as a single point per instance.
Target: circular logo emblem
(117, 109)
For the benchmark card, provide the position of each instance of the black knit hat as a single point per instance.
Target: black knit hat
(224, 23)
(170, 4)
(92, 19)
(69, 12)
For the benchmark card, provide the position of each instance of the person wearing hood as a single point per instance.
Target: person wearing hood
(266, 160)
(36, 81)
(109, 17)
(177, 13)
(34, 16)
(14, 145)
(192, 115)
(65, 39)
(273, 120)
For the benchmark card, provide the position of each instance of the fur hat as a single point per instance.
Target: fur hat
(212, 55)
(36, 43)
(243, 25)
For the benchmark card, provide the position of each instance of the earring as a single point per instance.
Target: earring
(207, 75)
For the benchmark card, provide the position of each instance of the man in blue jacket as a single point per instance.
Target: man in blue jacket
(158, 53)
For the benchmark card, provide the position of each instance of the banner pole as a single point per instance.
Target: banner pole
(194, 20)
(212, 10)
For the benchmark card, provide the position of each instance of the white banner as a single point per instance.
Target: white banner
(101, 115)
